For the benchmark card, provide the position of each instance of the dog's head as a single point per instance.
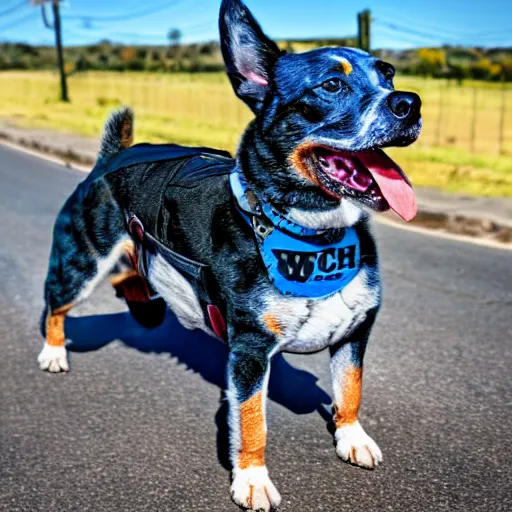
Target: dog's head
(322, 119)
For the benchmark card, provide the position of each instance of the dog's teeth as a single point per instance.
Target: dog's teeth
(297, 258)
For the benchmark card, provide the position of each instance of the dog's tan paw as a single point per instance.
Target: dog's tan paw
(253, 490)
(354, 445)
(53, 359)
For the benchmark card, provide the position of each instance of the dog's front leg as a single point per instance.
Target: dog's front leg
(248, 373)
(353, 444)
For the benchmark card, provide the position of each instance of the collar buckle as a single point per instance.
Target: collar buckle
(262, 226)
(251, 205)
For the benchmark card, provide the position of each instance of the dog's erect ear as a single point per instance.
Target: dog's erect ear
(248, 53)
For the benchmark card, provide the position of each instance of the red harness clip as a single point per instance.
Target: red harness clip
(217, 321)
(136, 229)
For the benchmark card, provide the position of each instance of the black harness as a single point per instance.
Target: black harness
(192, 165)
(300, 262)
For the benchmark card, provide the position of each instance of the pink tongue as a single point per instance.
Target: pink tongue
(392, 182)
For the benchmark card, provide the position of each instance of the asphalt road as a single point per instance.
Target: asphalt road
(139, 425)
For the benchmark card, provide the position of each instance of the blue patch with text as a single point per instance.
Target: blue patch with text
(303, 269)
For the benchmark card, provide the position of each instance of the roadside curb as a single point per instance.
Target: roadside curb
(69, 155)
(459, 225)
(492, 230)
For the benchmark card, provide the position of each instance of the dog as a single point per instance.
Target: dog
(271, 251)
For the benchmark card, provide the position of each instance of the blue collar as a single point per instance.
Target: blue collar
(299, 263)
(248, 202)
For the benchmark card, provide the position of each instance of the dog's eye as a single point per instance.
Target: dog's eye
(332, 85)
(386, 69)
(390, 74)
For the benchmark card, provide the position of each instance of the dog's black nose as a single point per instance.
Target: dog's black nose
(404, 104)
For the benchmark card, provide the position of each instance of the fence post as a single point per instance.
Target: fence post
(440, 115)
(473, 120)
(501, 133)
(90, 84)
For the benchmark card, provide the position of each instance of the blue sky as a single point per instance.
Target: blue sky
(398, 23)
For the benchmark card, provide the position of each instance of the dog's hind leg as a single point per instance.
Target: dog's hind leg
(85, 249)
(145, 305)
(353, 444)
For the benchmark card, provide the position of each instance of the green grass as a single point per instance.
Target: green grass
(457, 151)
(456, 170)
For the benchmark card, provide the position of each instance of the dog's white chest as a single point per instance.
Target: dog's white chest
(310, 325)
(302, 325)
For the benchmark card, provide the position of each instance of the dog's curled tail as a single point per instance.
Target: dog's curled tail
(117, 132)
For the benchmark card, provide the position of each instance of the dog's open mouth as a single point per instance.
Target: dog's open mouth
(369, 176)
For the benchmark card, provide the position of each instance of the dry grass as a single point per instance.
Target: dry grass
(201, 109)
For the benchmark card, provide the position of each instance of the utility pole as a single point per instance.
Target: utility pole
(363, 30)
(56, 27)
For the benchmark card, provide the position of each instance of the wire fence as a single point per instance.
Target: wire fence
(202, 109)
(477, 118)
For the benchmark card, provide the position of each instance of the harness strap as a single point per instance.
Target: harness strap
(185, 265)
(190, 269)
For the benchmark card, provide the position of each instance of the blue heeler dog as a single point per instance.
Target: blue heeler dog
(271, 251)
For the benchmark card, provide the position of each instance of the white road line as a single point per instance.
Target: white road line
(444, 234)
(46, 156)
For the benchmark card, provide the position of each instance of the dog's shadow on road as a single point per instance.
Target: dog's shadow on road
(295, 389)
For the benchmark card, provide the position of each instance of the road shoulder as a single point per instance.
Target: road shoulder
(488, 219)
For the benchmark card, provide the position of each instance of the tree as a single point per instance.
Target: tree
(174, 37)
(505, 61)
(128, 54)
(432, 60)
(485, 69)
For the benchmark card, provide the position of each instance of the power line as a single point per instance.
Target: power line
(186, 30)
(137, 35)
(419, 40)
(404, 38)
(393, 18)
(438, 38)
(124, 17)
(19, 21)
(7, 11)
(435, 32)
(490, 34)
(205, 24)
(406, 30)
(95, 36)
(192, 31)
(90, 39)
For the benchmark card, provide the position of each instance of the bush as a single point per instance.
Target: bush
(481, 69)
(458, 71)
(506, 67)
(448, 62)
(431, 61)
(135, 65)
(108, 102)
